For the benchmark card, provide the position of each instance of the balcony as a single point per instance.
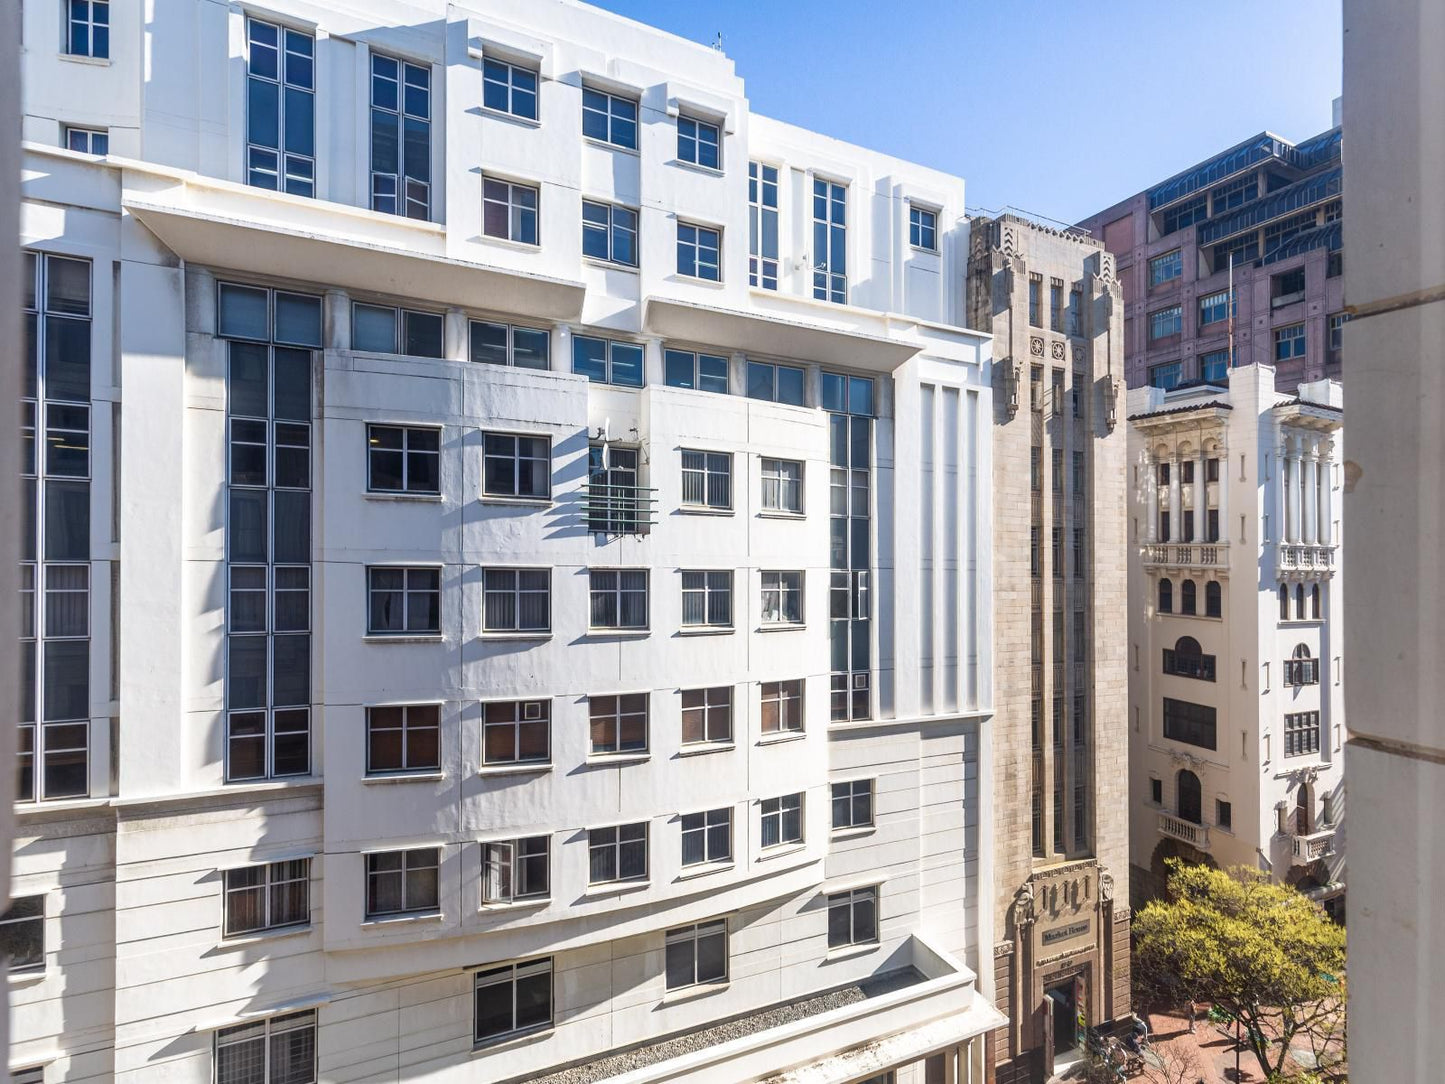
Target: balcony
(1193, 555)
(614, 509)
(1196, 835)
(1312, 847)
(1299, 558)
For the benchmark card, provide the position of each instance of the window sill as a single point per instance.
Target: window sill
(507, 242)
(924, 249)
(783, 738)
(59, 805)
(698, 749)
(782, 514)
(781, 626)
(518, 502)
(703, 869)
(400, 920)
(263, 937)
(610, 265)
(697, 167)
(706, 630)
(696, 280)
(27, 978)
(424, 498)
(853, 833)
(81, 58)
(611, 888)
(694, 993)
(847, 952)
(513, 118)
(529, 903)
(698, 510)
(617, 634)
(604, 145)
(514, 769)
(404, 777)
(512, 1038)
(781, 850)
(608, 760)
(538, 637)
(402, 638)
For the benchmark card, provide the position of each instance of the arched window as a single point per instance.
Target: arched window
(1187, 659)
(1213, 599)
(1300, 668)
(1303, 814)
(1315, 602)
(1187, 645)
(1191, 804)
(1283, 602)
(1166, 596)
(1299, 602)
(1186, 597)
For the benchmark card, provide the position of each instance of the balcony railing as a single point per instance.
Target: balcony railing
(1196, 835)
(1314, 846)
(1306, 558)
(1186, 555)
(613, 509)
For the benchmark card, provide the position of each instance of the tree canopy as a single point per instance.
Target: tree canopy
(1261, 951)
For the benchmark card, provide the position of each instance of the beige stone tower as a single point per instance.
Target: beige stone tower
(1060, 766)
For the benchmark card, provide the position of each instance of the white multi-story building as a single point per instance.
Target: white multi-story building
(1237, 720)
(508, 563)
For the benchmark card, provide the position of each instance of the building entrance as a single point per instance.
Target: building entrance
(1064, 1010)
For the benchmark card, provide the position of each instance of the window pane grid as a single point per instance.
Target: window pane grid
(402, 882)
(517, 600)
(782, 820)
(509, 211)
(782, 485)
(403, 738)
(707, 715)
(517, 732)
(618, 724)
(782, 707)
(618, 853)
(618, 598)
(707, 837)
(509, 88)
(782, 602)
(267, 897)
(762, 226)
(281, 1050)
(512, 999)
(853, 917)
(853, 804)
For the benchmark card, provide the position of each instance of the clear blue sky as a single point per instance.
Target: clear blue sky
(1061, 107)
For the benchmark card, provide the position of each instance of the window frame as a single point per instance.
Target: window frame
(405, 732)
(779, 485)
(615, 847)
(705, 476)
(774, 367)
(516, 211)
(511, 88)
(707, 708)
(406, 452)
(517, 460)
(1174, 268)
(400, 327)
(690, 239)
(608, 364)
(514, 861)
(763, 219)
(91, 135)
(830, 232)
(270, 882)
(715, 583)
(699, 124)
(710, 819)
(614, 230)
(487, 978)
(693, 936)
(9, 921)
(922, 227)
(623, 707)
(674, 357)
(612, 118)
(265, 1032)
(618, 593)
(790, 698)
(282, 171)
(1216, 307)
(90, 22)
(1171, 316)
(851, 900)
(408, 855)
(1292, 339)
(407, 593)
(849, 797)
(518, 594)
(519, 718)
(780, 811)
(1194, 727)
(405, 119)
(1302, 734)
(785, 590)
(509, 347)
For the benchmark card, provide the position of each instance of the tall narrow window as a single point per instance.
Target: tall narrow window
(616, 503)
(280, 109)
(55, 693)
(762, 225)
(1036, 301)
(849, 402)
(88, 23)
(830, 241)
(1056, 305)
(400, 137)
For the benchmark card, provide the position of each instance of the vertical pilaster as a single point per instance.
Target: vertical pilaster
(1311, 496)
(1151, 487)
(1176, 499)
(1292, 533)
(1200, 504)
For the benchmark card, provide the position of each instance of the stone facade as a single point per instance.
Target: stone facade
(1061, 764)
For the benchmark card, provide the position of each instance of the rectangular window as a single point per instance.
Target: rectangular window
(618, 853)
(1076, 311)
(509, 211)
(707, 838)
(698, 142)
(509, 88)
(707, 480)
(1336, 338)
(280, 109)
(512, 999)
(1165, 376)
(699, 252)
(619, 598)
(853, 917)
(853, 804)
(1214, 367)
(1287, 288)
(830, 241)
(1192, 724)
(1166, 268)
(89, 28)
(618, 723)
(402, 882)
(615, 504)
(1056, 305)
(782, 820)
(400, 137)
(1223, 814)
(697, 955)
(775, 383)
(404, 601)
(607, 361)
(403, 459)
(267, 897)
(1184, 214)
(1166, 322)
(1156, 791)
(608, 118)
(1289, 342)
(501, 344)
(517, 600)
(382, 329)
(1234, 194)
(707, 715)
(782, 707)
(1214, 308)
(922, 228)
(782, 598)
(1078, 474)
(517, 732)
(707, 599)
(782, 485)
(1036, 301)
(703, 372)
(1057, 473)
(517, 466)
(278, 1050)
(514, 870)
(762, 225)
(403, 738)
(87, 140)
(22, 935)
(1301, 733)
(609, 233)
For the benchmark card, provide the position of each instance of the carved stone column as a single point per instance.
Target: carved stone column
(1151, 488)
(1201, 506)
(1311, 479)
(1176, 499)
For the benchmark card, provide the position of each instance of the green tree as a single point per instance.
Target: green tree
(1258, 950)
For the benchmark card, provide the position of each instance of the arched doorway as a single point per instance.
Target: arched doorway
(1304, 821)
(1190, 798)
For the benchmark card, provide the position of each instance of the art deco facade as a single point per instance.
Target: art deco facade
(507, 589)
(1270, 208)
(1060, 753)
(1236, 672)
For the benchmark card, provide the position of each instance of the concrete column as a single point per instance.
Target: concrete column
(336, 320)
(652, 371)
(1277, 500)
(737, 374)
(1176, 500)
(1311, 479)
(455, 346)
(1327, 480)
(1296, 462)
(1222, 495)
(561, 348)
(1201, 509)
(1151, 488)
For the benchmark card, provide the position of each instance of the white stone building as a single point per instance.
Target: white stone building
(496, 639)
(1235, 670)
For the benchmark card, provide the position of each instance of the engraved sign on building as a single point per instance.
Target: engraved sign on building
(1064, 933)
